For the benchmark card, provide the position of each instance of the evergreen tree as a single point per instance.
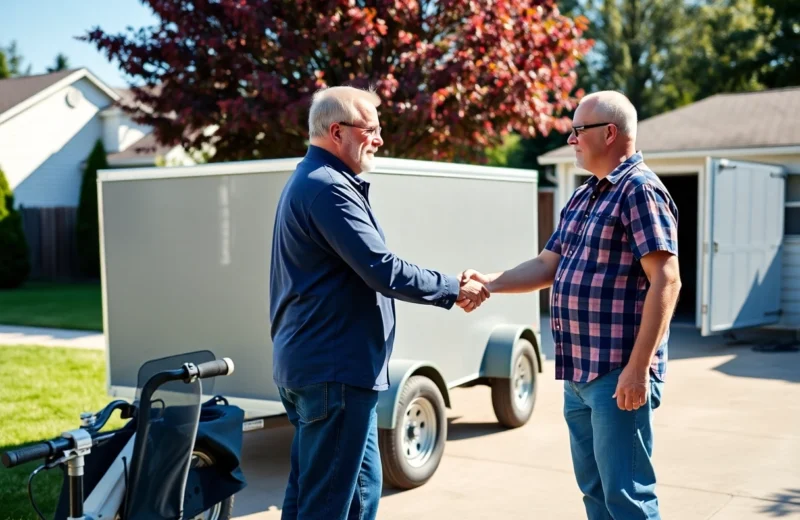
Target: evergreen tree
(88, 229)
(14, 261)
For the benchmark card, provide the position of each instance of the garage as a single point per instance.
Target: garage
(732, 164)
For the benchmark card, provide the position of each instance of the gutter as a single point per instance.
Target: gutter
(683, 154)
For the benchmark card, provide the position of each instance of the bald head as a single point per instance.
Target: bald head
(334, 104)
(604, 132)
(344, 121)
(613, 107)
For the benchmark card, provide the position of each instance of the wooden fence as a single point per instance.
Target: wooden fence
(52, 241)
(546, 227)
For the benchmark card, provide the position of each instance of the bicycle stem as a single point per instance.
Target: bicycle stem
(74, 458)
(75, 472)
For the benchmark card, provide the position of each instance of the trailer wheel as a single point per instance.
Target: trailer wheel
(513, 398)
(411, 452)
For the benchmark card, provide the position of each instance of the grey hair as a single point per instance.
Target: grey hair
(333, 104)
(614, 107)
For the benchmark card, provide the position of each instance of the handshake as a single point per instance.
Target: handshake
(473, 291)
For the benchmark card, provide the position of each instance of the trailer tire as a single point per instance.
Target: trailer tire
(513, 398)
(221, 510)
(411, 452)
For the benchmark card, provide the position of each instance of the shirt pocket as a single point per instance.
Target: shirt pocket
(602, 232)
(311, 402)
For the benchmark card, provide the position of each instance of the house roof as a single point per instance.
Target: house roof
(14, 91)
(724, 121)
(18, 94)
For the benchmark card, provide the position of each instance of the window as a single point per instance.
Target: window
(791, 219)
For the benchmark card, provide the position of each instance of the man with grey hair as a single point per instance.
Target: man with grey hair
(612, 264)
(333, 285)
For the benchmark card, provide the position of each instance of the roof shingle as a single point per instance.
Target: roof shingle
(14, 91)
(724, 121)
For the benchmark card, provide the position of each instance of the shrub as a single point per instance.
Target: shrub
(15, 264)
(88, 228)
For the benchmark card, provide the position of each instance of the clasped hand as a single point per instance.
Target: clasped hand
(473, 292)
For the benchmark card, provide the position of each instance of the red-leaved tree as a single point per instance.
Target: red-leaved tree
(454, 75)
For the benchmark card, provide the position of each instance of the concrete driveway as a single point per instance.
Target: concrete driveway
(727, 446)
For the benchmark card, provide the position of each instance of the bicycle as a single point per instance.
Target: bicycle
(177, 457)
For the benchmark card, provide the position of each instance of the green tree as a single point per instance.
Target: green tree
(723, 43)
(506, 154)
(61, 63)
(664, 54)
(5, 72)
(14, 255)
(15, 61)
(779, 63)
(633, 42)
(88, 230)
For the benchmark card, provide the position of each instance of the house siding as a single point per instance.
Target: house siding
(43, 148)
(121, 131)
(790, 292)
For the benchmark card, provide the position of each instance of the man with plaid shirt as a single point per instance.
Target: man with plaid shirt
(613, 267)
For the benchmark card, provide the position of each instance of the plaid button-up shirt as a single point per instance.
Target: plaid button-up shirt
(599, 289)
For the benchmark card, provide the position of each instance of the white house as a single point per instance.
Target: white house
(732, 164)
(48, 126)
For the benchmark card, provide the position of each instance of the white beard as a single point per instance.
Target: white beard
(367, 163)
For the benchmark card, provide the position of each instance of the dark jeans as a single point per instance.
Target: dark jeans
(336, 467)
(612, 449)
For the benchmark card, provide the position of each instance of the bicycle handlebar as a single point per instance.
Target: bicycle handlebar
(52, 447)
(35, 451)
(218, 367)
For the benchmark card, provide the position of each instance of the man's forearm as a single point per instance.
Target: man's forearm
(659, 305)
(535, 274)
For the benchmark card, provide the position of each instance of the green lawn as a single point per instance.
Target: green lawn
(42, 393)
(66, 306)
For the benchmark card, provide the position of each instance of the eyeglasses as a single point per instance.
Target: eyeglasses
(576, 129)
(372, 130)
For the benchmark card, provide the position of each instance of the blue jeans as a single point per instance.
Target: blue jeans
(336, 469)
(612, 449)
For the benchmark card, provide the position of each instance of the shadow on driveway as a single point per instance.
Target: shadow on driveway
(760, 354)
(468, 430)
(785, 504)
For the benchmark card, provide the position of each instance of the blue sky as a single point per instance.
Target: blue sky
(43, 28)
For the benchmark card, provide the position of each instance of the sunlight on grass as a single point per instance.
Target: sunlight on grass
(42, 393)
(65, 306)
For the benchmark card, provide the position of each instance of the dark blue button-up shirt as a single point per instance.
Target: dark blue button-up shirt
(333, 280)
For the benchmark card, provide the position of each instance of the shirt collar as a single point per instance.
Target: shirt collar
(617, 173)
(320, 155)
(624, 167)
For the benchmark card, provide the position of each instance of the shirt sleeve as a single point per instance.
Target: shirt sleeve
(554, 242)
(346, 227)
(650, 223)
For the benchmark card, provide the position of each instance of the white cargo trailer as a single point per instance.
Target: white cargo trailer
(185, 267)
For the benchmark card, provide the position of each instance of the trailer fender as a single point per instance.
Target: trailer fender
(499, 351)
(399, 372)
